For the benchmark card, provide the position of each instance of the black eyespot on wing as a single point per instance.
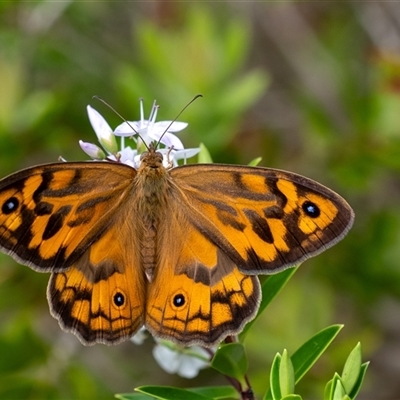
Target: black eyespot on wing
(119, 299)
(311, 209)
(10, 205)
(179, 300)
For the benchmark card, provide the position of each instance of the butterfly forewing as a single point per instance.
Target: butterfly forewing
(52, 213)
(265, 220)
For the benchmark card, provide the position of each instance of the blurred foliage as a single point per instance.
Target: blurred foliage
(313, 88)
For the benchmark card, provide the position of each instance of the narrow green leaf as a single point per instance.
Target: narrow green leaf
(204, 157)
(274, 383)
(133, 396)
(339, 391)
(171, 393)
(270, 288)
(328, 390)
(360, 380)
(352, 369)
(306, 356)
(268, 395)
(216, 392)
(286, 375)
(255, 162)
(230, 359)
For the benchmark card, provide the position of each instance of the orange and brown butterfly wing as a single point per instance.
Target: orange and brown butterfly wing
(198, 295)
(265, 220)
(51, 214)
(71, 219)
(224, 225)
(101, 297)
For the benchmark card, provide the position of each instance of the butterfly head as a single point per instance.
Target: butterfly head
(151, 160)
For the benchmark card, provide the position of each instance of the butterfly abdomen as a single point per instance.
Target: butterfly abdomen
(148, 251)
(152, 199)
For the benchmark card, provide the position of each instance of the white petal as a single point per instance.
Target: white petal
(99, 124)
(103, 131)
(175, 127)
(140, 336)
(127, 129)
(166, 358)
(136, 161)
(171, 140)
(186, 362)
(92, 150)
(186, 153)
(190, 366)
(127, 155)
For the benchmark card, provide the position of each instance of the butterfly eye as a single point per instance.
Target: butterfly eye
(311, 209)
(159, 156)
(144, 154)
(119, 299)
(10, 205)
(179, 300)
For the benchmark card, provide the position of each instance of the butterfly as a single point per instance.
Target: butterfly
(176, 250)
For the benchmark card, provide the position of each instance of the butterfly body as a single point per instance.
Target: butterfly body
(173, 249)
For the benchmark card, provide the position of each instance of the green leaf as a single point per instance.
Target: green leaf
(338, 392)
(307, 355)
(275, 387)
(286, 375)
(292, 397)
(352, 369)
(171, 393)
(133, 396)
(268, 395)
(216, 392)
(331, 387)
(230, 359)
(328, 390)
(360, 380)
(204, 156)
(255, 162)
(270, 288)
(162, 392)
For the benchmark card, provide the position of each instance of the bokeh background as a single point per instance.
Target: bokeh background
(311, 87)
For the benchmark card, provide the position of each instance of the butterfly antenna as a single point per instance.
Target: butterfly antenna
(180, 112)
(123, 119)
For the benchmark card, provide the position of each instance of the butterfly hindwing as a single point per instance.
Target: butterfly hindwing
(101, 297)
(198, 295)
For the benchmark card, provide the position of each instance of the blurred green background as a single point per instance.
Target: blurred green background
(312, 87)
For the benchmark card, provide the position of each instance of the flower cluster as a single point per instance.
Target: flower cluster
(142, 133)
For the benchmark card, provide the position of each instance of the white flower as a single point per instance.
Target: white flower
(150, 131)
(103, 131)
(143, 130)
(184, 361)
(92, 150)
(140, 336)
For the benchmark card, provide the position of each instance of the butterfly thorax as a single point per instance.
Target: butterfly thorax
(152, 185)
